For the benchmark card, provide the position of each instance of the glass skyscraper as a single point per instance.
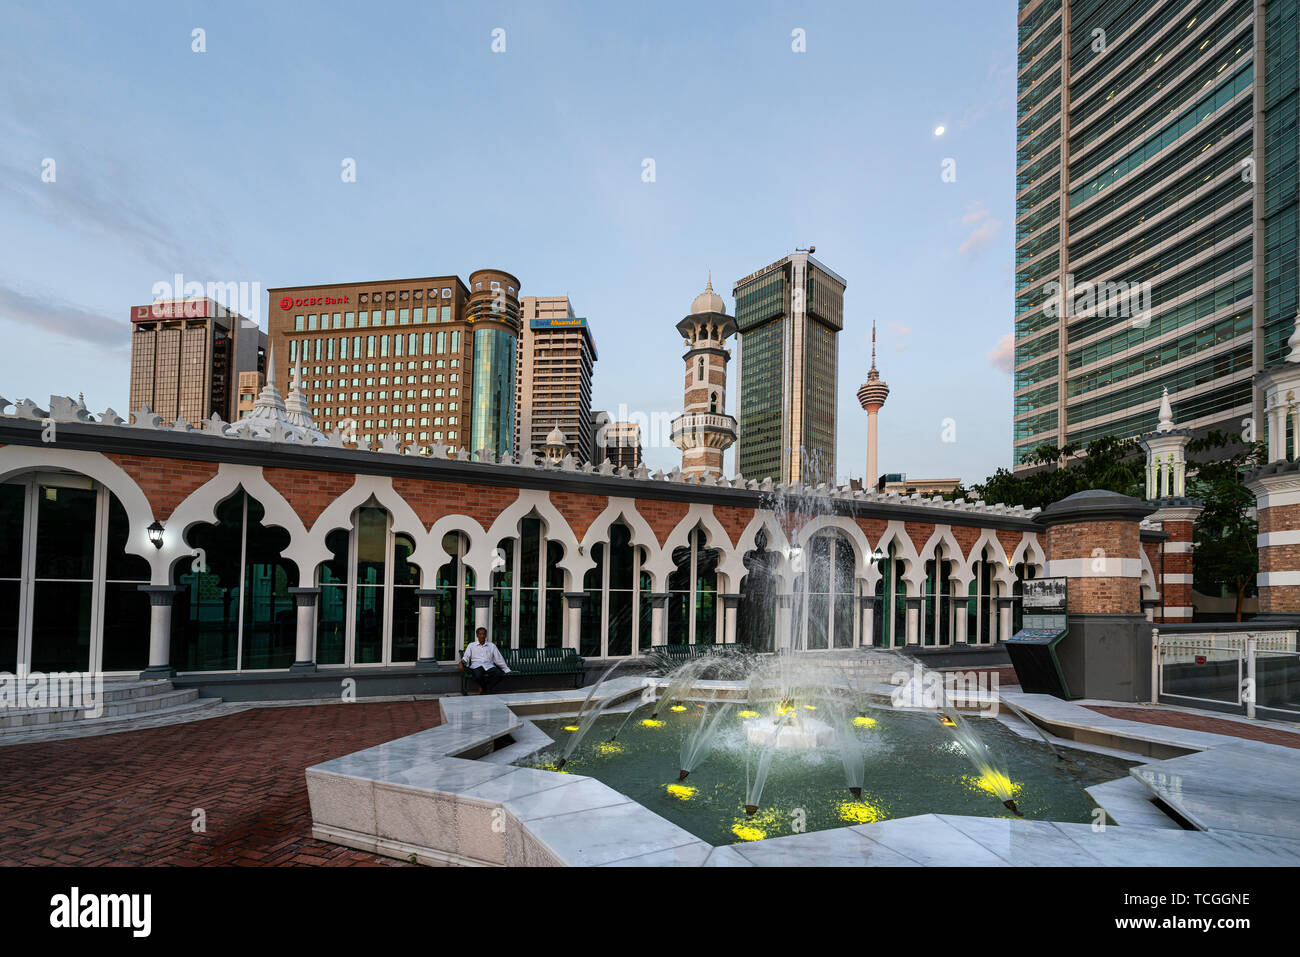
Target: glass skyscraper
(1156, 202)
(787, 317)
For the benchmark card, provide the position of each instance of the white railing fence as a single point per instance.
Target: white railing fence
(1228, 668)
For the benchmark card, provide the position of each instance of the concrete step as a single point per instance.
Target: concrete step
(123, 707)
(193, 709)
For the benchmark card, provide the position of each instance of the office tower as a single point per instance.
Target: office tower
(553, 373)
(430, 359)
(1156, 198)
(186, 356)
(615, 440)
(704, 430)
(788, 316)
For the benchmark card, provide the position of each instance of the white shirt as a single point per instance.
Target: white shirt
(484, 655)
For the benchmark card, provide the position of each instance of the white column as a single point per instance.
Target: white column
(868, 621)
(730, 605)
(305, 600)
(958, 607)
(160, 630)
(913, 621)
(784, 621)
(482, 610)
(1004, 618)
(573, 618)
(658, 620)
(428, 624)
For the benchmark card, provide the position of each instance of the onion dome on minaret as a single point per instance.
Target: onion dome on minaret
(708, 301)
(556, 447)
(873, 393)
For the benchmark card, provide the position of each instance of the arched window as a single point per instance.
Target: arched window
(1024, 572)
(369, 614)
(756, 613)
(693, 594)
(824, 593)
(234, 612)
(617, 611)
(528, 586)
(982, 605)
(890, 625)
(69, 591)
(937, 605)
(454, 615)
(699, 369)
(713, 402)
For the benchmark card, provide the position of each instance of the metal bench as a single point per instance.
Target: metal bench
(538, 661)
(680, 654)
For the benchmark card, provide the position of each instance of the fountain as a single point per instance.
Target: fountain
(804, 708)
(697, 745)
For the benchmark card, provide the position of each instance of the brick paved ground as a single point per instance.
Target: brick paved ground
(1197, 722)
(128, 798)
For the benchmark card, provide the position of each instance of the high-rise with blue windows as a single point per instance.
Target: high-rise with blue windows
(1156, 212)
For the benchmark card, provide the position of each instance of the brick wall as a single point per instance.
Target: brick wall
(1098, 594)
(165, 482)
(434, 500)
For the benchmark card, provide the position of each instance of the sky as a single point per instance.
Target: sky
(140, 140)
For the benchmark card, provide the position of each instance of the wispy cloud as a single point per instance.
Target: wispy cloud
(1003, 356)
(63, 319)
(897, 334)
(984, 232)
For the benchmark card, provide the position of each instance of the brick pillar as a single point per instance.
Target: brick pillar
(1177, 519)
(1277, 508)
(1093, 541)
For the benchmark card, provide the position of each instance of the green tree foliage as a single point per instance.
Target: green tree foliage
(1226, 555)
(1117, 465)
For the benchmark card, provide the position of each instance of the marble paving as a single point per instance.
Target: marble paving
(413, 797)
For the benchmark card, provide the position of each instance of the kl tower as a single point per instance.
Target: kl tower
(872, 394)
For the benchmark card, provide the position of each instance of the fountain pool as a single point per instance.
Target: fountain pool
(912, 765)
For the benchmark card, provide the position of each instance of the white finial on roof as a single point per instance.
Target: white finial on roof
(1166, 413)
(1294, 343)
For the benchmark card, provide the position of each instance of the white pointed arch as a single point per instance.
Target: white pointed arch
(641, 536)
(338, 514)
(1029, 552)
(895, 534)
(1003, 571)
(200, 508)
(763, 520)
(943, 535)
(461, 524)
(16, 460)
(506, 525)
(863, 567)
(661, 564)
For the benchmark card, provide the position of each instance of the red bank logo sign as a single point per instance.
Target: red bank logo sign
(288, 303)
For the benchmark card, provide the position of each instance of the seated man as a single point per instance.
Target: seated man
(486, 666)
